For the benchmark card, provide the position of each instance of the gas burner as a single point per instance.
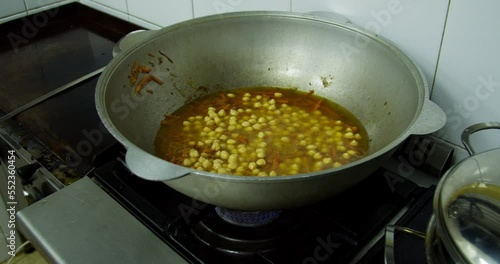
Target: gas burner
(232, 239)
(247, 219)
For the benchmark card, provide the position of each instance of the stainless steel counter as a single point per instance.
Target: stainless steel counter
(83, 224)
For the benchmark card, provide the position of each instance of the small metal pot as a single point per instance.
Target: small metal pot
(465, 225)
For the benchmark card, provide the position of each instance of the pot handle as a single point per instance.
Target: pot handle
(431, 119)
(473, 129)
(152, 168)
(390, 231)
(130, 40)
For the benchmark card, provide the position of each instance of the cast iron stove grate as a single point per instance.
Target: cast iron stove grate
(332, 231)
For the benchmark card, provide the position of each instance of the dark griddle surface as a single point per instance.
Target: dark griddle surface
(76, 40)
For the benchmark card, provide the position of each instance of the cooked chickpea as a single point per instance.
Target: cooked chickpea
(351, 152)
(262, 144)
(216, 166)
(215, 145)
(194, 153)
(317, 155)
(242, 150)
(349, 135)
(310, 146)
(233, 158)
(224, 155)
(206, 164)
(249, 138)
(252, 165)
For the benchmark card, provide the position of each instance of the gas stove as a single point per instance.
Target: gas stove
(115, 212)
(96, 211)
(345, 229)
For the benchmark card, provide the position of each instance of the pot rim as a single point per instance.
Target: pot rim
(441, 226)
(419, 77)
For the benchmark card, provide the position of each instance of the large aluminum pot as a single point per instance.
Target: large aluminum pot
(359, 70)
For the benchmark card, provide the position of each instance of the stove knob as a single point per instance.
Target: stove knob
(26, 172)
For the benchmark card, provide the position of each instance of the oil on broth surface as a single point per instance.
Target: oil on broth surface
(264, 131)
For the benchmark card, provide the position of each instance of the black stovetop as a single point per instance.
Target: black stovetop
(38, 58)
(79, 40)
(333, 231)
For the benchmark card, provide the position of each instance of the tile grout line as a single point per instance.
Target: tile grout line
(440, 49)
(25, 7)
(128, 11)
(192, 9)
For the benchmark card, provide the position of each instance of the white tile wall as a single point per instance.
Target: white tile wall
(466, 79)
(119, 11)
(210, 7)
(9, 8)
(415, 26)
(120, 5)
(468, 76)
(143, 23)
(38, 6)
(161, 12)
(32, 4)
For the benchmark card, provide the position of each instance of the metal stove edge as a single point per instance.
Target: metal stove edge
(84, 211)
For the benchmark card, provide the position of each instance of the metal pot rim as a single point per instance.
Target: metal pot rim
(428, 117)
(446, 231)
